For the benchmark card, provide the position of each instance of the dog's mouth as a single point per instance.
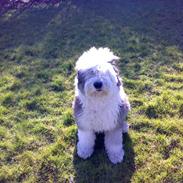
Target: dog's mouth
(99, 93)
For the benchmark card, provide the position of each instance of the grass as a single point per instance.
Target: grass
(38, 50)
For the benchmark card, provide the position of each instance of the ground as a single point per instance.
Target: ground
(38, 50)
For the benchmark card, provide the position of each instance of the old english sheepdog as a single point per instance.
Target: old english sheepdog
(100, 104)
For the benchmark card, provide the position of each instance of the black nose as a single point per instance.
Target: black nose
(98, 84)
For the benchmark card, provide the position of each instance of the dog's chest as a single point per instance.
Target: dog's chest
(100, 116)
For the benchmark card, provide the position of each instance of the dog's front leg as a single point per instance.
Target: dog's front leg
(125, 127)
(114, 145)
(86, 143)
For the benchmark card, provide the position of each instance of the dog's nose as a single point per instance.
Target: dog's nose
(98, 84)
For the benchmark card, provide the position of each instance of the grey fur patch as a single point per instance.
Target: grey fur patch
(82, 78)
(123, 111)
(119, 81)
(81, 81)
(117, 75)
(113, 63)
(78, 110)
(77, 106)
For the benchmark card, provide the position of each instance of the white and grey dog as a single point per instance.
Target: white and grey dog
(100, 104)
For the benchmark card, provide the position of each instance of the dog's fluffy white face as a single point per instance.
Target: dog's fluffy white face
(96, 76)
(97, 81)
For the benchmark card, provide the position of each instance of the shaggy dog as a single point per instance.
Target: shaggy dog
(100, 104)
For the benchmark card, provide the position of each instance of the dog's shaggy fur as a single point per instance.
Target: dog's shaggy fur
(100, 104)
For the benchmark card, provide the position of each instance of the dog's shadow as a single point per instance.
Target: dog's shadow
(98, 169)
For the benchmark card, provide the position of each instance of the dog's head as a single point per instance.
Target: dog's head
(96, 74)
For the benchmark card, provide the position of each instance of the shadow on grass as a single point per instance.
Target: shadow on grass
(29, 27)
(160, 20)
(99, 169)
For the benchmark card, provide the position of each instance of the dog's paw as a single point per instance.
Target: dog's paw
(125, 127)
(116, 157)
(84, 152)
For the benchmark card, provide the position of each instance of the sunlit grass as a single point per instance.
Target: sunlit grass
(37, 129)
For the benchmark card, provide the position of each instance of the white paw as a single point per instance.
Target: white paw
(125, 127)
(116, 157)
(84, 151)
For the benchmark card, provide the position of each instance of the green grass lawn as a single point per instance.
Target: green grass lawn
(38, 51)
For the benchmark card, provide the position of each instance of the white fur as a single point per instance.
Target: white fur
(101, 113)
(100, 109)
(114, 145)
(93, 57)
(86, 143)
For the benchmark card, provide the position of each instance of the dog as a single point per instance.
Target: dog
(100, 103)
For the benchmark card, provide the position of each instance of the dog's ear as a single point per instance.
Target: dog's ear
(80, 77)
(78, 74)
(119, 82)
(113, 63)
(116, 69)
